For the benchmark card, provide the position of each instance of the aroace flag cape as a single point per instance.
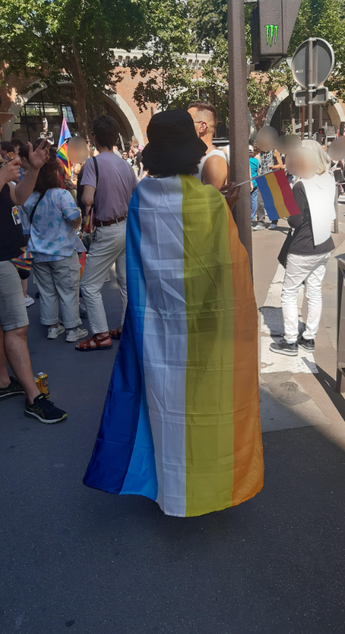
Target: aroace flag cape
(181, 422)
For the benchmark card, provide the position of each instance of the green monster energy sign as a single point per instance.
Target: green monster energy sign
(271, 34)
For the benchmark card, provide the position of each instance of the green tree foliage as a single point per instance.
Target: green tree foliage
(70, 40)
(163, 69)
(208, 20)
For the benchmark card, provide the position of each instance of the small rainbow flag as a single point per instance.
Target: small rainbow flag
(62, 154)
(23, 264)
(65, 133)
(277, 195)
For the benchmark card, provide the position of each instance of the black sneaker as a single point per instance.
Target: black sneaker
(12, 389)
(44, 410)
(283, 347)
(307, 344)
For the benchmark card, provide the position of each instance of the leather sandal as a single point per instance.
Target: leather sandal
(94, 343)
(116, 333)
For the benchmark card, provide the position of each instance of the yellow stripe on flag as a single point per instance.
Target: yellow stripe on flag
(209, 374)
(277, 196)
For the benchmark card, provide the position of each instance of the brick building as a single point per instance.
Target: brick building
(30, 107)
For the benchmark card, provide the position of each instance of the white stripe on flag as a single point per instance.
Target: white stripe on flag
(165, 335)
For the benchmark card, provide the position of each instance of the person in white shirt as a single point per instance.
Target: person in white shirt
(214, 166)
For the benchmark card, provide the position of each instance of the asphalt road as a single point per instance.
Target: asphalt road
(73, 559)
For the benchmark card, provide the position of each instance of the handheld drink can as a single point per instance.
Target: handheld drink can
(44, 384)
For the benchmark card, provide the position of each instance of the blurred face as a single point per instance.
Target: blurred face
(125, 156)
(301, 163)
(199, 123)
(131, 154)
(16, 149)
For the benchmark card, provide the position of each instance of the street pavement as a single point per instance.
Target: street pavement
(77, 560)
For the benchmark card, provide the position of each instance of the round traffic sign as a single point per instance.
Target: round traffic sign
(323, 62)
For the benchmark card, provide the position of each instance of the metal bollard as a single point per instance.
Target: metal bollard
(340, 387)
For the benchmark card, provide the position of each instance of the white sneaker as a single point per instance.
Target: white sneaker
(76, 333)
(272, 226)
(259, 228)
(29, 301)
(55, 331)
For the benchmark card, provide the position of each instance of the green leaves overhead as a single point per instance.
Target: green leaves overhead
(54, 40)
(51, 40)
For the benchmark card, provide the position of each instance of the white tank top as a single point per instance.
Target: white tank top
(207, 156)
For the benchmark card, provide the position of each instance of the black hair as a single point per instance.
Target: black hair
(24, 152)
(16, 141)
(7, 146)
(106, 131)
(188, 170)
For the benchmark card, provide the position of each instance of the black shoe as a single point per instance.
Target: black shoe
(283, 347)
(44, 410)
(12, 389)
(307, 344)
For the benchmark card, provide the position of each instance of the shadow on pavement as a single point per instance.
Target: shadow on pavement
(91, 562)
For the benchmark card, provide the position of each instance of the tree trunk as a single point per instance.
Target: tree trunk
(80, 89)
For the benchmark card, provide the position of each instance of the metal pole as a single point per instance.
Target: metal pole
(336, 221)
(310, 88)
(302, 122)
(319, 136)
(238, 120)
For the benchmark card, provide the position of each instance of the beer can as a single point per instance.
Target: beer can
(38, 382)
(44, 384)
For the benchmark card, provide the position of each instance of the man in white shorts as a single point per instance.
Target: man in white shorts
(213, 167)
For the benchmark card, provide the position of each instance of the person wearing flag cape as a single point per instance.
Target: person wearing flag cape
(310, 247)
(181, 422)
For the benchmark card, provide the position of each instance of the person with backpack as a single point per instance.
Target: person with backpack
(108, 183)
(52, 218)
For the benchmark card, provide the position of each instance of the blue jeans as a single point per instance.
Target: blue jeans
(253, 203)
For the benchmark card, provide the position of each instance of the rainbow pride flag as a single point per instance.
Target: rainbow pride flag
(62, 154)
(181, 423)
(277, 195)
(64, 133)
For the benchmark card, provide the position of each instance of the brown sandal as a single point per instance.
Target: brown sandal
(94, 343)
(116, 333)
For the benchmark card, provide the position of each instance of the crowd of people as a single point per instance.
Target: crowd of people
(50, 222)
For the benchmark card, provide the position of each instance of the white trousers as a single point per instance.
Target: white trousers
(310, 269)
(108, 246)
(59, 281)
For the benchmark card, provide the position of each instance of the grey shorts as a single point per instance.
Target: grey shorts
(13, 313)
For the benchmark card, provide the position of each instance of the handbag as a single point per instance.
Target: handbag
(284, 252)
(24, 261)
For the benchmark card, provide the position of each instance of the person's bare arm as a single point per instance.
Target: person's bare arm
(88, 195)
(76, 222)
(215, 172)
(21, 192)
(8, 173)
(231, 193)
(279, 165)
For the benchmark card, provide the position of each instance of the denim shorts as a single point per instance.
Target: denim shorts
(13, 313)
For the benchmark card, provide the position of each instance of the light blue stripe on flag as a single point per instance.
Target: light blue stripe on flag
(141, 477)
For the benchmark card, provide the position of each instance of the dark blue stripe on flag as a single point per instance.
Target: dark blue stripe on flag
(267, 198)
(116, 438)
